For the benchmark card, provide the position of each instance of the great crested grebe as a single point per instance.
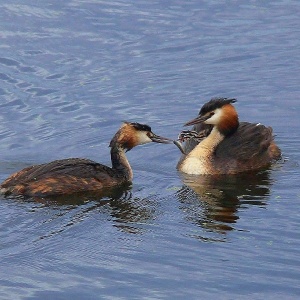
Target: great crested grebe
(68, 176)
(226, 145)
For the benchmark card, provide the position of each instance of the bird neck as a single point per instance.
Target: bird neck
(208, 145)
(120, 163)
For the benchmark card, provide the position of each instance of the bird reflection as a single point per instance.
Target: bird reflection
(80, 198)
(127, 213)
(212, 202)
(131, 213)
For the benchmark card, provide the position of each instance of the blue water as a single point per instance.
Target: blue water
(72, 71)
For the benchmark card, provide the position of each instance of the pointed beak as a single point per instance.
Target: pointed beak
(199, 119)
(159, 139)
(179, 146)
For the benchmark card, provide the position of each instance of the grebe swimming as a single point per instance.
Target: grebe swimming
(220, 144)
(68, 176)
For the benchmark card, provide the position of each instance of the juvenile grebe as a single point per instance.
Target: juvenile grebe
(227, 146)
(68, 176)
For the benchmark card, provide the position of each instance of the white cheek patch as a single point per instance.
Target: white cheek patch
(143, 138)
(216, 118)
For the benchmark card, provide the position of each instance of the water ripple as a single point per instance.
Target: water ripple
(30, 11)
(71, 72)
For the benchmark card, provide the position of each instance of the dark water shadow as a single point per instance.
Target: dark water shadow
(213, 202)
(117, 205)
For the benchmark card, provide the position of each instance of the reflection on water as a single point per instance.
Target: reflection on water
(129, 213)
(212, 202)
(80, 198)
(118, 205)
(71, 71)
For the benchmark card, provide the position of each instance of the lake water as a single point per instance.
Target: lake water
(72, 71)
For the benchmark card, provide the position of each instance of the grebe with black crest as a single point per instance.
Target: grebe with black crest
(73, 175)
(220, 144)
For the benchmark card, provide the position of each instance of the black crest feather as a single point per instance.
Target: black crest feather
(215, 103)
(141, 127)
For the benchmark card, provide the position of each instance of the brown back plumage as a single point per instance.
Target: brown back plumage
(60, 176)
(67, 176)
(250, 147)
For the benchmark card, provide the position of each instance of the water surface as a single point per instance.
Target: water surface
(71, 72)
